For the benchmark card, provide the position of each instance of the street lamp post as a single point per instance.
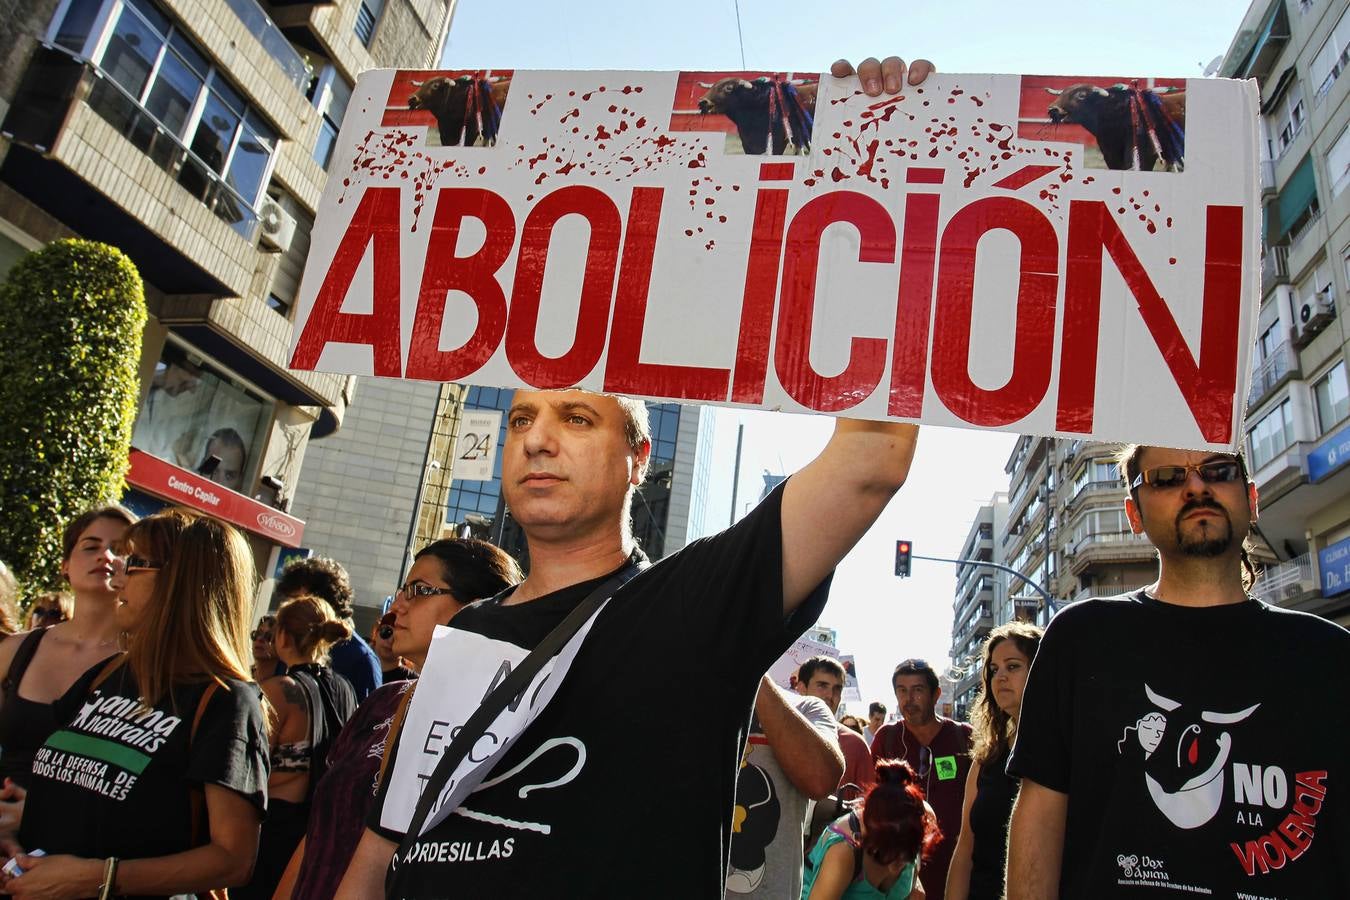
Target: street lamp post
(1036, 586)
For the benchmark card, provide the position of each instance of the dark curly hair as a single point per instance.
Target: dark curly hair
(993, 727)
(319, 577)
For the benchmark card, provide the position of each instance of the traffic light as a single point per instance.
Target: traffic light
(902, 551)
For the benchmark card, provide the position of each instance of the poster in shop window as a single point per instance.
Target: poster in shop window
(1074, 256)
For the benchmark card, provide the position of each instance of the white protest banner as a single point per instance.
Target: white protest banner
(964, 253)
(784, 671)
(476, 448)
(475, 664)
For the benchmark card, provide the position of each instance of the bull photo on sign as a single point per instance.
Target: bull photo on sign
(1136, 124)
(458, 108)
(760, 112)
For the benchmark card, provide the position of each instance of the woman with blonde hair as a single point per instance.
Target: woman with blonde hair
(313, 703)
(979, 860)
(158, 784)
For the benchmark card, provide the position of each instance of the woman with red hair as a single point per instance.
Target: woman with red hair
(874, 852)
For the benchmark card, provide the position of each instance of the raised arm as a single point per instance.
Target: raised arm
(809, 756)
(1036, 842)
(836, 497)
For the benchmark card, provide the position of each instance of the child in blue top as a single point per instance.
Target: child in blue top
(874, 853)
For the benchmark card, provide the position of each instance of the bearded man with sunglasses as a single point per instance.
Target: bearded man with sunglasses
(1180, 737)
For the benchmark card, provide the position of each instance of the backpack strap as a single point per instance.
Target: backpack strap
(197, 794)
(318, 724)
(114, 663)
(22, 657)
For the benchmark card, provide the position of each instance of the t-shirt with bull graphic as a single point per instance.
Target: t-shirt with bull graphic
(1205, 751)
(118, 779)
(624, 785)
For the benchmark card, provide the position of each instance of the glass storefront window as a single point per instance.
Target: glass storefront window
(199, 419)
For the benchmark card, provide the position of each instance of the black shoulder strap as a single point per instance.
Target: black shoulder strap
(496, 701)
(318, 723)
(22, 657)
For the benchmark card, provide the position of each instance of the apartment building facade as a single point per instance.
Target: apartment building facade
(195, 135)
(1298, 409)
(982, 598)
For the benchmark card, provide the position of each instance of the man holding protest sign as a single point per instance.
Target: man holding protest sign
(576, 804)
(1162, 743)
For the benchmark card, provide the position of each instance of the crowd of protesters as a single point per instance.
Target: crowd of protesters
(162, 737)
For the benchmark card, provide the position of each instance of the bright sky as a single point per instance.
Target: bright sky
(880, 619)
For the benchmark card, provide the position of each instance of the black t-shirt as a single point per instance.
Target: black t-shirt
(990, 808)
(625, 782)
(117, 780)
(1205, 751)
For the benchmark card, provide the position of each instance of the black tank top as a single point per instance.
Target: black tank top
(995, 792)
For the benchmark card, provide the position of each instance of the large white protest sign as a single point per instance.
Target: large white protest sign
(474, 664)
(784, 671)
(1067, 256)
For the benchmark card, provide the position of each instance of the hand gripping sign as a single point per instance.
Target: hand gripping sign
(1063, 256)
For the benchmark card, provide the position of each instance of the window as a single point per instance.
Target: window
(1268, 342)
(1271, 436)
(1287, 118)
(1331, 60)
(1338, 162)
(171, 86)
(194, 413)
(1307, 290)
(331, 101)
(1332, 398)
(366, 19)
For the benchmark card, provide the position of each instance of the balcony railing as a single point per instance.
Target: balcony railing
(1271, 371)
(1092, 487)
(261, 26)
(55, 78)
(1336, 70)
(1274, 267)
(1285, 581)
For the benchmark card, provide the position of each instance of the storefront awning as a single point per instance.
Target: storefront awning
(179, 486)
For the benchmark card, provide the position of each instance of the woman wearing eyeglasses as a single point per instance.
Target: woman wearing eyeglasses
(265, 662)
(875, 852)
(980, 857)
(39, 670)
(157, 785)
(313, 703)
(445, 576)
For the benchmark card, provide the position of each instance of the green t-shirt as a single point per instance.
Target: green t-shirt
(861, 888)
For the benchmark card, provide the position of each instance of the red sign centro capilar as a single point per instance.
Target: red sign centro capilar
(181, 487)
(1068, 256)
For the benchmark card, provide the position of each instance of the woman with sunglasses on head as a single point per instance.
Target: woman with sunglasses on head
(445, 577)
(157, 786)
(265, 662)
(875, 852)
(979, 860)
(313, 703)
(51, 608)
(39, 669)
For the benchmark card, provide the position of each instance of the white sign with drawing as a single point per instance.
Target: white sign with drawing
(476, 449)
(475, 664)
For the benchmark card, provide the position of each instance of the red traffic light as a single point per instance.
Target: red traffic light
(902, 558)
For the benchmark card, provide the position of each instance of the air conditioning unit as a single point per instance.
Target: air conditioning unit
(276, 227)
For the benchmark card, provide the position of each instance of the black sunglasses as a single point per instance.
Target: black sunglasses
(260, 635)
(44, 612)
(1220, 471)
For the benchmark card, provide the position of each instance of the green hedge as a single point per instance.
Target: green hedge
(71, 317)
